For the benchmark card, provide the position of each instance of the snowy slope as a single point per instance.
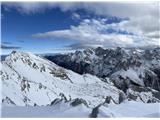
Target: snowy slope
(28, 80)
(126, 109)
(130, 74)
(130, 109)
(60, 109)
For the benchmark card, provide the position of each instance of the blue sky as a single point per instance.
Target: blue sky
(17, 28)
(63, 27)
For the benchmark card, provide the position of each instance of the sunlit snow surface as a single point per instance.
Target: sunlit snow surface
(131, 109)
(126, 109)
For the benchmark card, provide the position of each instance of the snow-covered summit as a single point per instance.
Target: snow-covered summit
(29, 80)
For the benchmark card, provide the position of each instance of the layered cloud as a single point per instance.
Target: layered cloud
(8, 45)
(143, 23)
(3, 46)
(93, 33)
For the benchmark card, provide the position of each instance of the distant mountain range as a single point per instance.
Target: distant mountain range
(123, 66)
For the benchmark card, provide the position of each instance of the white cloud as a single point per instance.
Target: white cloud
(154, 34)
(38, 7)
(90, 33)
(84, 46)
(76, 16)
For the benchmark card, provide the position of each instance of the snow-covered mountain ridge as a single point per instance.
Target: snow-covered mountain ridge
(28, 80)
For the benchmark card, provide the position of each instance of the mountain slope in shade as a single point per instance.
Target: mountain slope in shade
(123, 66)
(28, 80)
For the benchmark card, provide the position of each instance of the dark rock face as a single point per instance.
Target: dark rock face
(121, 98)
(78, 101)
(152, 80)
(8, 101)
(94, 113)
(56, 101)
(121, 83)
(66, 62)
(138, 93)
